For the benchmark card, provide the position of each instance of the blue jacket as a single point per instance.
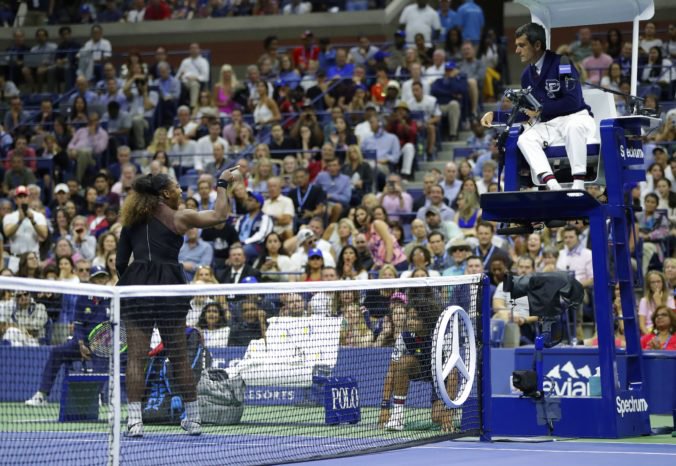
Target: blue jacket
(558, 94)
(89, 312)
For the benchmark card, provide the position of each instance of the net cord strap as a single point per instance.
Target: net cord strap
(115, 389)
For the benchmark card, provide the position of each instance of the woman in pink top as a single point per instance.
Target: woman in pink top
(656, 294)
(224, 90)
(384, 247)
(394, 199)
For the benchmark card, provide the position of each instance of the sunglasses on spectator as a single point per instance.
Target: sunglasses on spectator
(83, 270)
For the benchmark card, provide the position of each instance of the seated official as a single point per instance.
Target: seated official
(564, 114)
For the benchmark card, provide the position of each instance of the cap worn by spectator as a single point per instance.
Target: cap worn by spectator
(400, 33)
(21, 191)
(307, 33)
(257, 196)
(459, 245)
(61, 188)
(101, 200)
(394, 84)
(380, 55)
(433, 210)
(97, 270)
(401, 104)
(280, 83)
(371, 105)
(315, 252)
(659, 149)
(249, 279)
(303, 235)
(399, 296)
(450, 65)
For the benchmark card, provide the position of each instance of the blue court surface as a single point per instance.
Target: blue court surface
(559, 453)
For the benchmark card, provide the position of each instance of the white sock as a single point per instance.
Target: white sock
(553, 185)
(192, 412)
(398, 408)
(134, 413)
(578, 184)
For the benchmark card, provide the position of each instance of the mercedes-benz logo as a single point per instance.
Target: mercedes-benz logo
(447, 358)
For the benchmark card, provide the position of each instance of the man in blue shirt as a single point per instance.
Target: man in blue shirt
(194, 253)
(447, 17)
(564, 114)
(338, 188)
(452, 93)
(89, 312)
(385, 145)
(471, 21)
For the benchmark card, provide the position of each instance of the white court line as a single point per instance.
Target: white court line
(525, 450)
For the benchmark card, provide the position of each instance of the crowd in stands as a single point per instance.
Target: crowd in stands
(134, 11)
(326, 140)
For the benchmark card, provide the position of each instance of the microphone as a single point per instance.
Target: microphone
(517, 230)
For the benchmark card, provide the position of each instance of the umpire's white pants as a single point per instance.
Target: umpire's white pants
(407, 156)
(570, 130)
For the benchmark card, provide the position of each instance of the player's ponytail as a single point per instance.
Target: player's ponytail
(143, 199)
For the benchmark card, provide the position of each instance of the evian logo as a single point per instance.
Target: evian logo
(631, 152)
(566, 380)
(632, 405)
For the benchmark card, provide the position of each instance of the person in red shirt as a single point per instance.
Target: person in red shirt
(405, 128)
(22, 148)
(157, 10)
(308, 51)
(663, 336)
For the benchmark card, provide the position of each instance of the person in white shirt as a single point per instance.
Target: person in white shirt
(25, 228)
(436, 69)
(94, 52)
(184, 121)
(427, 105)
(420, 18)
(137, 11)
(363, 130)
(205, 146)
(194, 73)
(296, 7)
(183, 147)
(279, 208)
(416, 76)
(649, 40)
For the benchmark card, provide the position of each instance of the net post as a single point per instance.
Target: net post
(115, 398)
(486, 388)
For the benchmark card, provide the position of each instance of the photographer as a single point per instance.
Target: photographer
(394, 199)
(555, 83)
(24, 228)
(142, 103)
(82, 241)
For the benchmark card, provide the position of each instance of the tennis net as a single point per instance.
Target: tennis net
(280, 372)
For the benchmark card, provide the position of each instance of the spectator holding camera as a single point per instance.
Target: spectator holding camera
(25, 228)
(394, 199)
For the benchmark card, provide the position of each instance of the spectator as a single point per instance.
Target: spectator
(254, 226)
(653, 228)
(649, 40)
(265, 7)
(577, 259)
(94, 52)
(237, 269)
(342, 69)
(29, 265)
(487, 250)
(381, 243)
(194, 253)
(360, 173)
(305, 53)
(451, 184)
(67, 270)
(15, 116)
(279, 208)
(232, 129)
(385, 144)
(420, 19)
(364, 53)
(204, 149)
(309, 200)
(435, 198)
(663, 337)
(470, 20)
(142, 104)
(157, 10)
(349, 266)
(15, 57)
(24, 320)
(273, 261)
(396, 58)
(40, 62)
(252, 323)
(194, 73)
(87, 145)
(25, 228)
(613, 45)
(297, 7)
(18, 174)
(460, 252)
(394, 199)
(213, 325)
(452, 94)
(225, 89)
(440, 259)
(65, 63)
(338, 189)
(597, 62)
(657, 70)
(447, 16)
(265, 111)
(516, 310)
(581, 48)
(656, 295)
(473, 68)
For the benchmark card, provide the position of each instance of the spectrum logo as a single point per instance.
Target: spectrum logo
(632, 405)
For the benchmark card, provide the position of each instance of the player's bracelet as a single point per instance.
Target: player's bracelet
(385, 404)
(221, 183)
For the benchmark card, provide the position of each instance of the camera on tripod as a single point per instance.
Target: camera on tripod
(523, 99)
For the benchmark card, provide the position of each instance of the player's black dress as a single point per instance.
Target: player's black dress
(155, 246)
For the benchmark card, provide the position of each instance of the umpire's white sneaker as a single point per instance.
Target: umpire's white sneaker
(395, 423)
(37, 400)
(191, 427)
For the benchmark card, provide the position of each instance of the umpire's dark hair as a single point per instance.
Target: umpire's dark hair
(534, 32)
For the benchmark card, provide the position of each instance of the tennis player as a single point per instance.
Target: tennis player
(153, 230)
(89, 312)
(555, 83)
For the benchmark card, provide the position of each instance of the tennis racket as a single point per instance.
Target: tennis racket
(101, 339)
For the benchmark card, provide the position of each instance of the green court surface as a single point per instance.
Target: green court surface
(301, 421)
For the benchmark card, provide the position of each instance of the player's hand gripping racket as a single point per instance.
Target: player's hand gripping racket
(101, 339)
